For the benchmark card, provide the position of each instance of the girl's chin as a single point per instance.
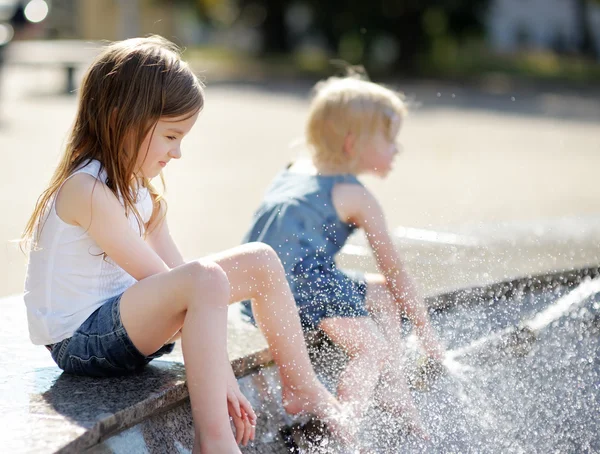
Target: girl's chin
(152, 174)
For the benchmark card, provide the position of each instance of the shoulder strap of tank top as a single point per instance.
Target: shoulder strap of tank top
(347, 178)
(93, 168)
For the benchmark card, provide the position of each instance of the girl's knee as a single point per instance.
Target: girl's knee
(206, 279)
(262, 251)
(264, 256)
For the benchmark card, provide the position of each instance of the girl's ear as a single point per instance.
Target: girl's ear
(349, 146)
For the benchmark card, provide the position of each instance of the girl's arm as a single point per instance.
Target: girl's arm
(85, 201)
(358, 206)
(160, 240)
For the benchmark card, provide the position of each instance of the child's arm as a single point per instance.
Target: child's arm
(357, 205)
(160, 240)
(86, 202)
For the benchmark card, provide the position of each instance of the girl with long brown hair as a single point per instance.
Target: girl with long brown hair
(107, 290)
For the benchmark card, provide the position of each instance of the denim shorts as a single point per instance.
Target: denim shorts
(101, 347)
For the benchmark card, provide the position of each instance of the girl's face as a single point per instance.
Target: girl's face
(377, 155)
(162, 144)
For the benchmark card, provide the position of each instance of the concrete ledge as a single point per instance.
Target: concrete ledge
(511, 288)
(43, 410)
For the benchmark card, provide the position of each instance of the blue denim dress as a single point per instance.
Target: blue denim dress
(297, 218)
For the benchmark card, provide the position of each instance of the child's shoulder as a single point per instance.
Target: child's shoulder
(83, 188)
(353, 202)
(84, 179)
(351, 192)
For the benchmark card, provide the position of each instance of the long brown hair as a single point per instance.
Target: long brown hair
(127, 89)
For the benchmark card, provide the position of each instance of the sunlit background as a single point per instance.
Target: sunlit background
(503, 132)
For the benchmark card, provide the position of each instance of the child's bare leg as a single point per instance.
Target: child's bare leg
(389, 312)
(192, 298)
(366, 347)
(255, 272)
(394, 393)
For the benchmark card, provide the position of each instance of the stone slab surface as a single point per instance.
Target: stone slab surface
(543, 397)
(43, 410)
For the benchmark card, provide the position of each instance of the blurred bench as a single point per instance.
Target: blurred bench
(66, 54)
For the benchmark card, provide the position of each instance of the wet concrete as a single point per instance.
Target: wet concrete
(493, 397)
(43, 410)
(544, 398)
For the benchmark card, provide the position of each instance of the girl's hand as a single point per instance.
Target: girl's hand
(241, 412)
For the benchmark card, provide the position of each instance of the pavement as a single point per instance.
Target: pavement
(473, 156)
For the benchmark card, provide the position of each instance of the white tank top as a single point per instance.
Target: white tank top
(68, 278)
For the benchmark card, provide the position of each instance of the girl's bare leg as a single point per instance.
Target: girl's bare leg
(394, 393)
(192, 298)
(255, 272)
(362, 341)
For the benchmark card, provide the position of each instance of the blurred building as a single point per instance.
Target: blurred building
(539, 24)
(119, 19)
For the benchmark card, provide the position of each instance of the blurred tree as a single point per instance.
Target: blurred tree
(587, 44)
(356, 30)
(417, 28)
(274, 27)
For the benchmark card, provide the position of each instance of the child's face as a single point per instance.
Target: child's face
(162, 145)
(377, 154)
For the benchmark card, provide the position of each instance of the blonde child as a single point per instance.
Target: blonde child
(107, 290)
(308, 213)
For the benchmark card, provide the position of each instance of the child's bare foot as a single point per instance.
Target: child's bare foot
(395, 398)
(317, 401)
(407, 419)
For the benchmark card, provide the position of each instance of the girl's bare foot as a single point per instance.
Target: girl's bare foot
(394, 398)
(317, 401)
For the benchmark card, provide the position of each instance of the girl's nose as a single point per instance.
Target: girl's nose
(175, 153)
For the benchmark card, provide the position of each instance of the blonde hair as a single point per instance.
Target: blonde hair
(343, 105)
(130, 85)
